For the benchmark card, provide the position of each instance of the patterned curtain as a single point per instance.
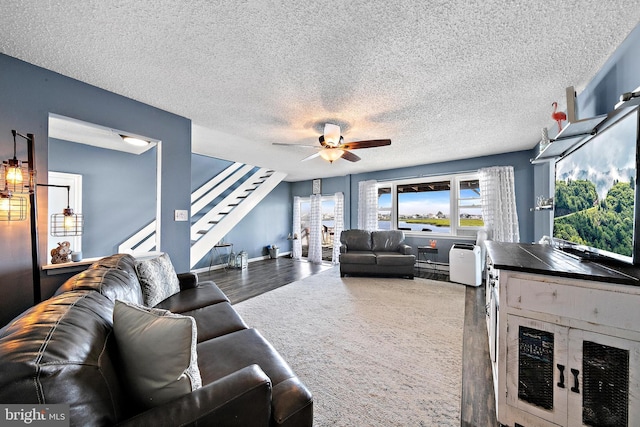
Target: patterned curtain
(338, 214)
(315, 230)
(498, 199)
(368, 205)
(296, 249)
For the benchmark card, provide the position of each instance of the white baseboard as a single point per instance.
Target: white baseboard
(221, 266)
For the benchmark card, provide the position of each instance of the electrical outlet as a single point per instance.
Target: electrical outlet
(181, 215)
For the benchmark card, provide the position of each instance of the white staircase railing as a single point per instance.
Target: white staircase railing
(220, 220)
(211, 227)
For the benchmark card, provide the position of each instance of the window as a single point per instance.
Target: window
(469, 207)
(328, 222)
(425, 206)
(384, 208)
(448, 205)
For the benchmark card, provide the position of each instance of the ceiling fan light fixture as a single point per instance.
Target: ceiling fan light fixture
(332, 135)
(331, 154)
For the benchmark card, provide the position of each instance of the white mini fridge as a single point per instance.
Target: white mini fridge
(465, 264)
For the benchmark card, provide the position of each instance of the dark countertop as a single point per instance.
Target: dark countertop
(543, 259)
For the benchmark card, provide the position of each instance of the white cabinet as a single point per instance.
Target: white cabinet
(569, 376)
(568, 352)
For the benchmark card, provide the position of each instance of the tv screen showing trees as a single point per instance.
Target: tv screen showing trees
(594, 202)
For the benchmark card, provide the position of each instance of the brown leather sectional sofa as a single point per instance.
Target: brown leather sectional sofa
(63, 351)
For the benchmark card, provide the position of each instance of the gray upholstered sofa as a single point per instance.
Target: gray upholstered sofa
(375, 253)
(69, 349)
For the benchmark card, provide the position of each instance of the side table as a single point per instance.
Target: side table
(220, 250)
(429, 254)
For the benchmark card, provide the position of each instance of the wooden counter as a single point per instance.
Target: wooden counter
(543, 259)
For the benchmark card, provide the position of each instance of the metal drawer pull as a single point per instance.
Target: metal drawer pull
(561, 369)
(576, 385)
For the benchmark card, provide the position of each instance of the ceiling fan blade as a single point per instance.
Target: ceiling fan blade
(331, 134)
(350, 156)
(295, 145)
(313, 156)
(366, 144)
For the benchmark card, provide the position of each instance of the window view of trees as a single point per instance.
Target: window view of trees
(582, 218)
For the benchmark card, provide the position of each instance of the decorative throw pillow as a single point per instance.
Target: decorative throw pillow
(158, 279)
(158, 352)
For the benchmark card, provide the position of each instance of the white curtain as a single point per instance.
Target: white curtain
(338, 215)
(296, 248)
(368, 205)
(498, 198)
(315, 230)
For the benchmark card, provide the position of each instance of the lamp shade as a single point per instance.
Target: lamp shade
(331, 134)
(16, 177)
(13, 208)
(331, 154)
(67, 223)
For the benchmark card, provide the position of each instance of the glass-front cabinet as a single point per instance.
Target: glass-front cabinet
(570, 376)
(567, 345)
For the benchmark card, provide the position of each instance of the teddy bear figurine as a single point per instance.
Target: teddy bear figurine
(61, 254)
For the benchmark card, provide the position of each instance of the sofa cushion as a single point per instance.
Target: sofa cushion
(394, 258)
(158, 352)
(158, 279)
(61, 351)
(206, 293)
(387, 241)
(358, 257)
(215, 320)
(124, 262)
(356, 240)
(110, 282)
(291, 400)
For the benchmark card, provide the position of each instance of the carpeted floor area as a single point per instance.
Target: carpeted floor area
(373, 351)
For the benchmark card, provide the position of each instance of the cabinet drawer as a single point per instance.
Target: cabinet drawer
(589, 304)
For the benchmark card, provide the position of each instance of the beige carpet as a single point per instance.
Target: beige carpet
(373, 351)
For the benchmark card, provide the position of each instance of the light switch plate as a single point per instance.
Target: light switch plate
(181, 215)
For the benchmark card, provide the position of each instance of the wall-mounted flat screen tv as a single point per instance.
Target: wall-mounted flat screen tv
(595, 199)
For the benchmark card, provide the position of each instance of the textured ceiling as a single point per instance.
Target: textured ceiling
(443, 80)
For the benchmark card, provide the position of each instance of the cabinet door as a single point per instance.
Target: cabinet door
(602, 375)
(536, 357)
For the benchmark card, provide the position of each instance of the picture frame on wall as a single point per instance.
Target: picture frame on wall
(317, 186)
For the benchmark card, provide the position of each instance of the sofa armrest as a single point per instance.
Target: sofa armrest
(343, 249)
(242, 398)
(187, 280)
(405, 249)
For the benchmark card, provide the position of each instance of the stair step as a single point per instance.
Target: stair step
(213, 222)
(203, 231)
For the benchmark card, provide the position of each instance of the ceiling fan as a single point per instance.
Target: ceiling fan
(332, 146)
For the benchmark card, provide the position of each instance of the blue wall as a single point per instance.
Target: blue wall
(29, 94)
(118, 192)
(523, 172)
(619, 74)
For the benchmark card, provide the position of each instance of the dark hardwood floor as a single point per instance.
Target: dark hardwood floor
(477, 403)
(260, 277)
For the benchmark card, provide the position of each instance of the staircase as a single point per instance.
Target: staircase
(216, 207)
(253, 184)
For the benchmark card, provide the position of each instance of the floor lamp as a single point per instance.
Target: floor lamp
(18, 179)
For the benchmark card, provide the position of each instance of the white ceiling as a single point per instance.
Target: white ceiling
(443, 80)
